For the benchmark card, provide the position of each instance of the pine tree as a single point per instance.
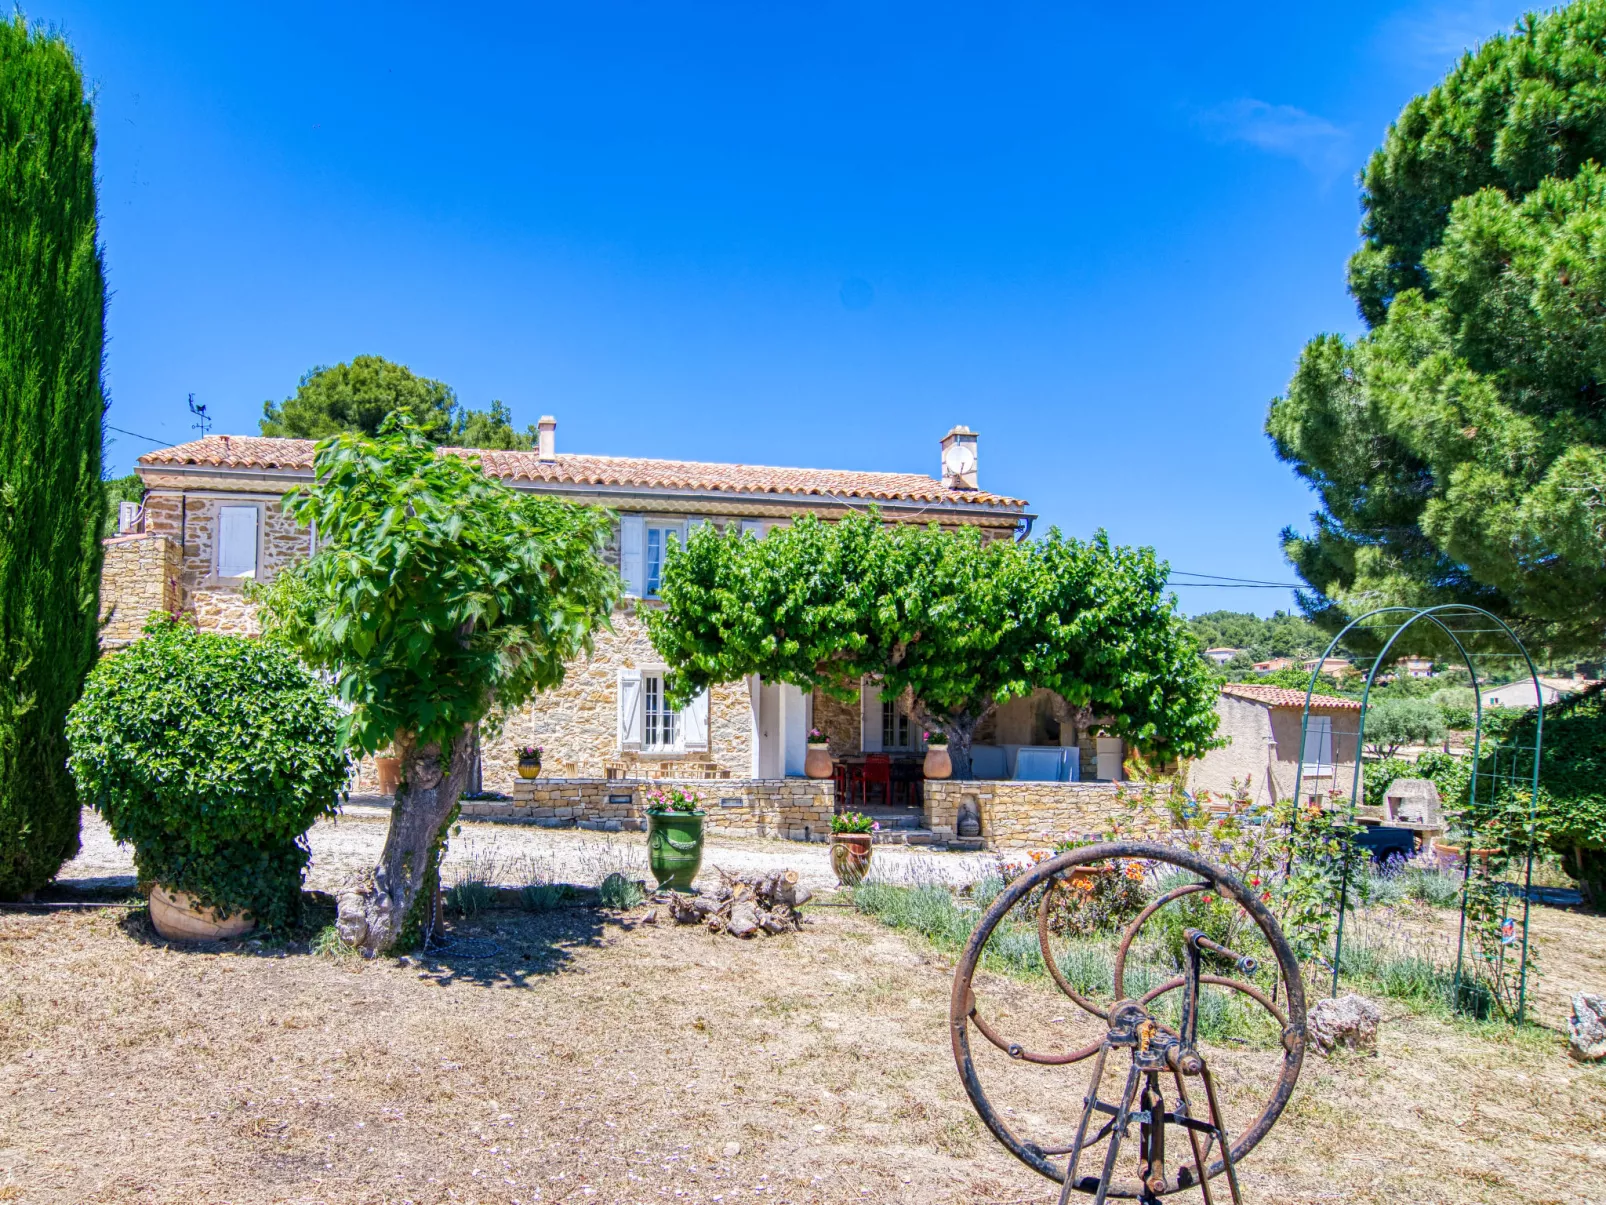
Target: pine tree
(52, 314)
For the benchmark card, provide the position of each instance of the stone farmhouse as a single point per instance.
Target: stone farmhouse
(1268, 747)
(211, 520)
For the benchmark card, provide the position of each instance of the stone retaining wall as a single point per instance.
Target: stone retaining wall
(1019, 814)
(798, 809)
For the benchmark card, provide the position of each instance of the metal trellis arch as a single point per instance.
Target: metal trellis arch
(1477, 638)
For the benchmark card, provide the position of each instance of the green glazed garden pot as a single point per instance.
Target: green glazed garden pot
(675, 848)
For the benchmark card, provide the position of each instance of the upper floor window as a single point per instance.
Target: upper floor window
(237, 541)
(658, 540)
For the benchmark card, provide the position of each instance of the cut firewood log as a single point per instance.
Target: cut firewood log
(744, 919)
(744, 905)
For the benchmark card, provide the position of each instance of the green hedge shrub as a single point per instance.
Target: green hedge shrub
(212, 755)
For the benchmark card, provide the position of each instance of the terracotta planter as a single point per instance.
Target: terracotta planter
(389, 771)
(818, 762)
(1450, 855)
(850, 857)
(178, 918)
(938, 763)
(529, 769)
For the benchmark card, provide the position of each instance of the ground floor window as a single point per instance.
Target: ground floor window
(661, 727)
(894, 725)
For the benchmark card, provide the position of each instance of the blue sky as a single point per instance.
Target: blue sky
(799, 234)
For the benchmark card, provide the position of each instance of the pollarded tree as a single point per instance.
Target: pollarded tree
(959, 623)
(1459, 448)
(52, 322)
(436, 595)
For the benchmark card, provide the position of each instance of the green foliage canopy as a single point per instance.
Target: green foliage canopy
(356, 397)
(1282, 635)
(1571, 813)
(52, 330)
(437, 592)
(960, 623)
(1394, 723)
(1459, 448)
(212, 755)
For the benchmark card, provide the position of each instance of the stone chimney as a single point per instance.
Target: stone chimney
(959, 459)
(547, 445)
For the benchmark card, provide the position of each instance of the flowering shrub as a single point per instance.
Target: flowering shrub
(673, 799)
(530, 753)
(816, 737)
(854, 822)
(935, 738)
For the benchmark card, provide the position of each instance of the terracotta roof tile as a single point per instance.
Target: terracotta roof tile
(257, 452)
(1278, 696)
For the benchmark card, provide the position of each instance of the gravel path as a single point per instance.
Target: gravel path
(514, 854)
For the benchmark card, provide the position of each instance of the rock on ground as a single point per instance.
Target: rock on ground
(1586, 1030)
(1347, 1021)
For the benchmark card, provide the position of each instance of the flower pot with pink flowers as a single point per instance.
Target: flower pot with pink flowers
(851, 837)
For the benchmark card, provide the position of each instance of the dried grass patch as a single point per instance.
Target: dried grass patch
(599, 1059)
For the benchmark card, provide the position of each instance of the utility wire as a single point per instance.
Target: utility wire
(136, 435)
(1247, 581)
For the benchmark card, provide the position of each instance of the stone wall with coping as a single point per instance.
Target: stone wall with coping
(797, 809)
(141, 575)
(1016, 815)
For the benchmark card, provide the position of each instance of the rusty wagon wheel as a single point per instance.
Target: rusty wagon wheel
(1157, 1027)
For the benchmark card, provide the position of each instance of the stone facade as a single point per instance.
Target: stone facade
(141, 575)
(797, 809)
(577, 725)
(1262, 753)
(1017, 815)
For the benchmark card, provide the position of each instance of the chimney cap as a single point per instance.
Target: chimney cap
(546, 447)
(960, 429)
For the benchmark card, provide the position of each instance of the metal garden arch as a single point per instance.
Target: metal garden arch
(1475, 635)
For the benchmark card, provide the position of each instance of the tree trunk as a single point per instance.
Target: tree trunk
(960, 730)
(392, 904)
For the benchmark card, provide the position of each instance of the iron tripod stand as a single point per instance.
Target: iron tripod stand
(1155, 1051)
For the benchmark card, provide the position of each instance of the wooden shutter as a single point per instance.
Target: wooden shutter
(629, 703)
(694, 723)
(693, 524)
(632, 558)
(237, 541)
(869, 716)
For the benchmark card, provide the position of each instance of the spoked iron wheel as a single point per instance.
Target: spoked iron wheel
(1171, 1087)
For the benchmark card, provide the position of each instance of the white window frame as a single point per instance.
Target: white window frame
(657, 720)
(218, 566)
(897, 730)
(663, 532)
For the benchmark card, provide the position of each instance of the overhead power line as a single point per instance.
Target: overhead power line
(136, 435)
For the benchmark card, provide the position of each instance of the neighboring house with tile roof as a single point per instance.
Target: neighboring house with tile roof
(1267, 744)
(211, 519)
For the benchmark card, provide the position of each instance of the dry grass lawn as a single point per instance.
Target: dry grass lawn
(601, 1059)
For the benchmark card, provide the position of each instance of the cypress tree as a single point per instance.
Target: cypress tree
(52, 315)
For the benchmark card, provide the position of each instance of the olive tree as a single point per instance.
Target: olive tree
(959, 623)
(436, 595)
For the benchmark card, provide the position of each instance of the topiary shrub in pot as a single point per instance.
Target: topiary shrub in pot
(212, 755)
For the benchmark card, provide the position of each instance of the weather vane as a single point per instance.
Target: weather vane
(203, 420)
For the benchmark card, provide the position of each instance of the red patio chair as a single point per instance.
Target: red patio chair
(877, 771)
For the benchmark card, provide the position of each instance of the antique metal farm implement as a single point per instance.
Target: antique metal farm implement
(1172, 1091)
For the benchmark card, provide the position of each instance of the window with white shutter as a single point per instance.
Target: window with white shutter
(632, 538)
(629, 707)
(237, 541)
(694, 723)
(870, 716)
